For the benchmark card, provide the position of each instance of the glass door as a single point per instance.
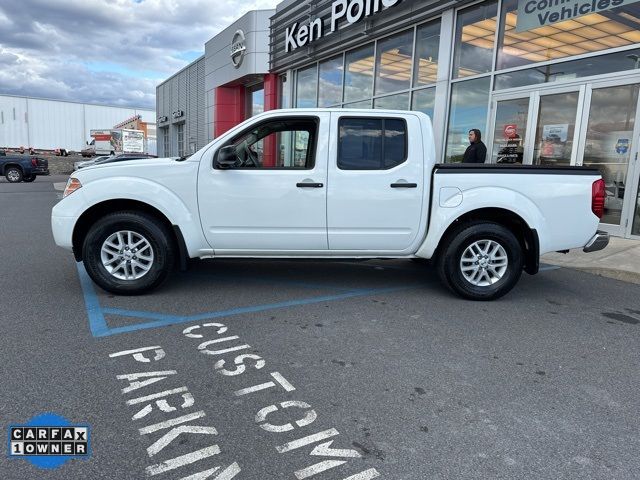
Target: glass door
(536, 127)
(610, 144)
(556, 128)
(510, 130)
(635, 204)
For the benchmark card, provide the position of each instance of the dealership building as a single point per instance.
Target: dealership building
(548, 82)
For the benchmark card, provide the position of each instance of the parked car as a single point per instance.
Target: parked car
(87, 163)
(368, 186)
(123, 157)
(22, 168)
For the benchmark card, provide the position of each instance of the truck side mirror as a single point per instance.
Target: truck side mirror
(226, 158)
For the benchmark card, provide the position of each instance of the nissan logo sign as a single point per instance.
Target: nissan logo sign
(238, 48)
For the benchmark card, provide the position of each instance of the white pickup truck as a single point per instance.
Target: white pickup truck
(327, 183)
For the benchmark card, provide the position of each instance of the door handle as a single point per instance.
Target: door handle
(404, 185)
(309, 185)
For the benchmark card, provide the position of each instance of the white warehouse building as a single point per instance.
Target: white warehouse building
(49, 124)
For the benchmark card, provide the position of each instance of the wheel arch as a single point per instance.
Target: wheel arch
(9, 165)
(527, 236)
(97, 211)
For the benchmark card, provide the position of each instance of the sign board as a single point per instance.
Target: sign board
(555, 133)
(510, 131)
(539, 13)
(298, 35)
(132, 141)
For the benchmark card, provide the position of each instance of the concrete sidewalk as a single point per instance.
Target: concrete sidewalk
(620, 260)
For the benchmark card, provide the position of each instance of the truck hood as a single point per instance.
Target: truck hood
(155, 169)
(146, 162)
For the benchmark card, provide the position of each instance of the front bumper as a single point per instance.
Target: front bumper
(62, 229)
(599, 241)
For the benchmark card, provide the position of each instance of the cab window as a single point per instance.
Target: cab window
(371, 143)
(287, 143)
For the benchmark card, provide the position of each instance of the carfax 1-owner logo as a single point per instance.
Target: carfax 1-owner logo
(49, 440)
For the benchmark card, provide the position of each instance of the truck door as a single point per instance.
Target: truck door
(274, 198)
(376, 182)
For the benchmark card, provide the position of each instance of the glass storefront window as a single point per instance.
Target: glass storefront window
(330, 86)
(579, 35)
(613, 62)
(555, 129)
(636, 218)
(165, 142)
(469, 107)
(393, 63)
(363, 104)
(609, 142)
(510, 130)
(424, 101)
(306, 87)
(358, 78)
(427, 45)
(256, 101)
(474, 40)
(180, 139)
(284, 92)
(393, 102)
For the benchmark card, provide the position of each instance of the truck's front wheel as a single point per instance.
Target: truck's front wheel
(481, 261)
(128, 253)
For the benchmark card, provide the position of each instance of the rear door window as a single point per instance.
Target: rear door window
(371, 143)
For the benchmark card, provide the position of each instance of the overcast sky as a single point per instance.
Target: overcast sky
(106, 51)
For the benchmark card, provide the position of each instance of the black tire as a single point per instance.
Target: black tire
(13, 174)
(158, 236)
(29, 178)
(454, 247)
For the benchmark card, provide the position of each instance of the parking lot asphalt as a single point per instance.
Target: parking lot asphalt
(348, 370)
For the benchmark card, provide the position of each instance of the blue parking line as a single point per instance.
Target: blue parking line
(166, 320)
(99, 327)
(97, 322)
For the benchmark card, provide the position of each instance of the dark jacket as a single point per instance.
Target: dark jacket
(475, 153)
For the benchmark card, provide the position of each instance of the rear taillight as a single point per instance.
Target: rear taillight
(34, 162)
(598, 195)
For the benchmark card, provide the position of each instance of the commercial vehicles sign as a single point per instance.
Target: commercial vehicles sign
(298, 35)
(538, 13)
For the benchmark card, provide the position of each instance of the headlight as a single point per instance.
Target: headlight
(73, 184)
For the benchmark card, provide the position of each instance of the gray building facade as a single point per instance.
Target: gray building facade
(182, 113)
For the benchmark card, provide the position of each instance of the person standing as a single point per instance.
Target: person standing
(477, 151)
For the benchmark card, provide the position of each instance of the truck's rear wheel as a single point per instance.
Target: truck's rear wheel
(481, 261)
(128, 253)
